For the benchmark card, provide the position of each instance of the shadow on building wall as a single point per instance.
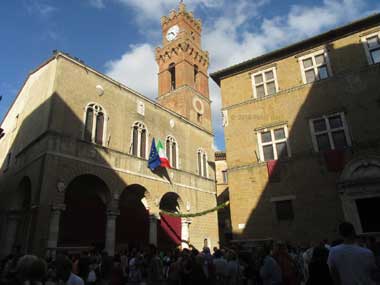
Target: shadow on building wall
(301, 200)
(60, 191)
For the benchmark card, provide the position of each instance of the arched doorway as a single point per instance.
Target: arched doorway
(169, 230)
(359, 187)
(132, 225)
(83, 223)
(18, 225)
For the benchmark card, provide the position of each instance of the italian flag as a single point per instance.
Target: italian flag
(161, 153)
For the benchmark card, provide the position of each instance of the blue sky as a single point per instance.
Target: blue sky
(118, 37)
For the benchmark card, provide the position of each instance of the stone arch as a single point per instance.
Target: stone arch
(18, 218)
(22, 197)
(170, 227)
(69, 174)
(359, 188)
(132, 225)
(170, 199)
(83, 223)
(361, 168)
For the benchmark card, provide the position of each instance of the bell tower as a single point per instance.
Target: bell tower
(183, 65)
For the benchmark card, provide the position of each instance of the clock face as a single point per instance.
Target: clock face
(172, 33)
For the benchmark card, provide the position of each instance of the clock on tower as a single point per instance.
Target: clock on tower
(183, 68)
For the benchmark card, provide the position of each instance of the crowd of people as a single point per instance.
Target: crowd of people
(347, 261)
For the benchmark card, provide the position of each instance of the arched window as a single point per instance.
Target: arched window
(139, 139)
(172, 76)
(202, 163)
(172, 151)
(94, 126)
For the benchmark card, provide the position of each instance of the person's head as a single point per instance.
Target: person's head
(63, 267)
(152, 249)
(218, 254)
(280, 247)
(31, 268)
(320, 254)
(231, 255)
(206, 250)
(347, 231)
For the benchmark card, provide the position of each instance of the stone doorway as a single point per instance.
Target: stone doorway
(170, 228)
(369, 213)
(83, 223)
(132, 225)
(359, 188)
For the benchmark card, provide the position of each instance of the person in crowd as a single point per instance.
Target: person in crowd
(64, 272)
(155, 267)
(287, 264)
(124, 263)
(318, 270)
(349, 263)
(233, 268)
(135, 274)
(220, 265)
(116, 272)
(105, 269)
(307, 256)
(30, 270)
(92, 277)
(83, 266)
(270, 271)
(174, 271)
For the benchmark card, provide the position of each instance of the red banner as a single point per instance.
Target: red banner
(335, 160)
(273, 170)
(172, 227)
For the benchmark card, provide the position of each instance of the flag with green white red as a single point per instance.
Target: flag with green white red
(161, 152)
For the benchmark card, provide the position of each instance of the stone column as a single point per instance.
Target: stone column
(153, 229)
(10, 237)
(111, 231)
(185, 234)
(55, 216)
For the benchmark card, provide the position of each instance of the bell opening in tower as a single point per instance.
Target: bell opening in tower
(172, 76)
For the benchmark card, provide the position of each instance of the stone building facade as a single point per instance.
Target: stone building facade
(222, 192)
(74, 156)
(302, 136)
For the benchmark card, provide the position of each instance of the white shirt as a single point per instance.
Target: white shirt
(353, 264)
(74, 280)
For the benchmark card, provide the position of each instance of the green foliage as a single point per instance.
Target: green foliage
(192, 215)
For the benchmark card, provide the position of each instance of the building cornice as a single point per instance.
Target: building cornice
(173, 92)
(109, 79)
(253, 100)
(298, 47)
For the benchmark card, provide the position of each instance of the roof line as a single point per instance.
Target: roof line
(308, 43)
(76, 61)
(121, 85)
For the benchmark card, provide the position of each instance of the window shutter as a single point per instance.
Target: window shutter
(88, 124)
(199, 163)
(174, 154)
(135, 140)
(204, 165)
(168, 150)
(99, 128)
(143, 143)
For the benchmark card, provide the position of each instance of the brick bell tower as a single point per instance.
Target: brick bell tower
(183, 65)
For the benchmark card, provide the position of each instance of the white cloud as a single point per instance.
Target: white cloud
(137, 69)
(152, 10)
(229, 37)
(39, 7)
(99, 4)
